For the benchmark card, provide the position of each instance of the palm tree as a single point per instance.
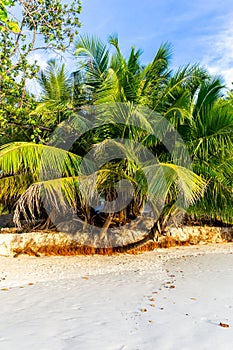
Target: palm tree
(57, 177)
(56, 94)
(111, 77)
(188, 98)
(209, 137)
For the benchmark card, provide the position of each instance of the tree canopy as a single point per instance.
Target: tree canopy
(41, 25)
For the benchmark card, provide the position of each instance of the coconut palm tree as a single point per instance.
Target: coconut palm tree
(55, 102)
(188, 98)
(57, 177)
(114, 78)
(111, 77)
(209, 138)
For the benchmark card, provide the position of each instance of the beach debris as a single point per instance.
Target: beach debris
(3, 278)
(152, 305)
(224, 325)
(85, 278)
(143, 310)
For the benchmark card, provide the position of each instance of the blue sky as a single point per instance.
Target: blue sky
(199, 31)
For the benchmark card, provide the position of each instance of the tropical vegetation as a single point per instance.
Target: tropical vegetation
(111, 122)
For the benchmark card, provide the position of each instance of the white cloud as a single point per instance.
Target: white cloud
(220, 53)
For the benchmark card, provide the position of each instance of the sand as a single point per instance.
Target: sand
(166, 299)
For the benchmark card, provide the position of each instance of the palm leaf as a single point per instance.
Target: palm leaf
(43, 160)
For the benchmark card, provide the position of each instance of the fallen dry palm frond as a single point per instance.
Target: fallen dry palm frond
(28, 205)
(57, 195)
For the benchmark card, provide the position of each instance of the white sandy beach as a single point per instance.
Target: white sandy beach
(168, 300)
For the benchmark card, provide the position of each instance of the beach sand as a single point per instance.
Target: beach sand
(167, 299)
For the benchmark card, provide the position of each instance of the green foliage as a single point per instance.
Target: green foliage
(209, 138)
(7, 24)
(56, 98)
(192, 102)
(188, 98)
(58, 175)
(42, 25)
(110, 78)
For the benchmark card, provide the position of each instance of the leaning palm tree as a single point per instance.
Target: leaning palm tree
(61, 182)
(50, 183)
(188, 98)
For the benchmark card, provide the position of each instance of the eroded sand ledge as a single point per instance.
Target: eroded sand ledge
(55, 243)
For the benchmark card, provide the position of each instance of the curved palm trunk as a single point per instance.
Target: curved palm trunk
(155, 231)
(152, 235)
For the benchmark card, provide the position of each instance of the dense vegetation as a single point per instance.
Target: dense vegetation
(42, 169)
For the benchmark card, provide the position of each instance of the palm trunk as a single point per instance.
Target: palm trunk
(152, 235)
(106, 225)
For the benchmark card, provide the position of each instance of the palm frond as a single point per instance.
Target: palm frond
(210, 90)
(43, 160)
